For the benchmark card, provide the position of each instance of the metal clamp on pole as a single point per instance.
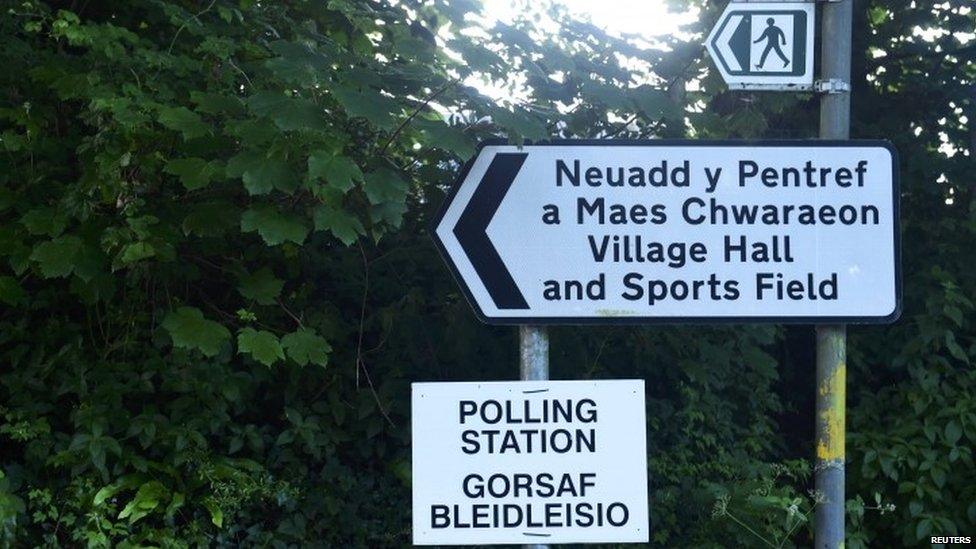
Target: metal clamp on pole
(832, 85)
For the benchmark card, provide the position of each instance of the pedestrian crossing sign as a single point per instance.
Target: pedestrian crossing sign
(764, 45)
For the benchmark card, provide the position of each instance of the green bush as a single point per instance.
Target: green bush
(217, 283)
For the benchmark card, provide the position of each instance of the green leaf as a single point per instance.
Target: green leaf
(520, 123)
(213, 103)
(195, 173)
(366, 103)
(174, 505)
(341, 172)
(262, 286)
(263, 346)
(56, 258)
(137, 251)
(305, 346)
(652, 102)
(923, 529)
(261, 174)
(953, 432)
(342, 224)
(127, 482)
(183, 120)
(190, 330)
(10, 291)
(44, 221)
(877, 15)
(274, 226)
(390, 213)
(438, 134)
(147, 498)
(384, 185)
(288, 113)
(216, 514)
(954, 349)
(954, 313)
(253, 132)
(612, 97)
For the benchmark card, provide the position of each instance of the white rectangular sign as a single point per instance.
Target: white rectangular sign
(764, 45)
(529, 462)
(677, 231)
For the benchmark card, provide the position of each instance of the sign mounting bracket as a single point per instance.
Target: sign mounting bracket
(832, 85)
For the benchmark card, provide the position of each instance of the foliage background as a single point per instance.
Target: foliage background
(217, 285)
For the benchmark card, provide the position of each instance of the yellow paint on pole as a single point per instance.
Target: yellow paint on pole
(830, 443)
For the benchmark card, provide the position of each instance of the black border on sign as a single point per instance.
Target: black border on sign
(638, 320)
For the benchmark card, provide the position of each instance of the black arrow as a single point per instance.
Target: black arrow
(472, 226)
(739, 43)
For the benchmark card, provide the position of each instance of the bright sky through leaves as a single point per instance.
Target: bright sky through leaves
(647, 18)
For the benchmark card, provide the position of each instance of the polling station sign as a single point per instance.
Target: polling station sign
(529, 462)
(676, 231)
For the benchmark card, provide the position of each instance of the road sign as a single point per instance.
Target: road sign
(578, 232)
(529, 462)
(764, 45)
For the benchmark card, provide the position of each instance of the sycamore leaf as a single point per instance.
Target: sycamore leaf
(288, 113)
(213, 103)
(261, 174)
(368, 104)
(137, 251)
(263, 346)
(390, 213)
(190, 330)
(438, 134)
(654, 103)
(300, 114)
(385, 185)
(46, 221)
(261, 286)
(195, 173)
(274, 227)
(341, 172)
(305, 346)
(611, 96)
(183, 120)
(521, 123)
(253, 131)
(56, 258)
(342, 224)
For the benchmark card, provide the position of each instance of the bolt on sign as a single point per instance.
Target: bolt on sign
(578, 232)
(529, 462)
(764, 45)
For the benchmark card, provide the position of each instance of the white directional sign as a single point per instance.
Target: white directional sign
(676, 231)
(529, 462)
(764, 45)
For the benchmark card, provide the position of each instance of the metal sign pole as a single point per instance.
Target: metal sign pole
(534, 366)
(835, 113)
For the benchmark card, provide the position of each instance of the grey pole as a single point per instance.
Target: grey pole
(835, 123)
(533, 353)
(533, 365)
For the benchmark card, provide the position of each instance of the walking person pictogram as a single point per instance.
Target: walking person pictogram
(774, 38)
